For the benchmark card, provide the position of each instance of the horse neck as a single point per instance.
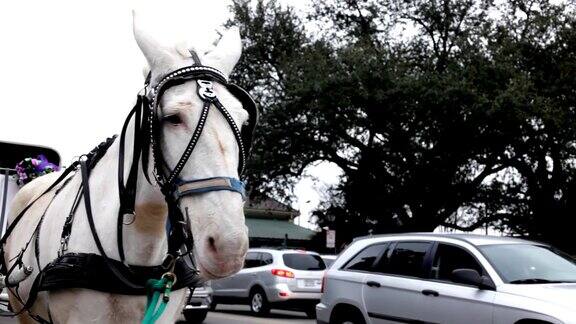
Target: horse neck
(144, 239)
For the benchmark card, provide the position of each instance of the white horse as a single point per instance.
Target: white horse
(217, 219)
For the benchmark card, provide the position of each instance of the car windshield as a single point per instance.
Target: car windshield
(530, 264)
(303, 261)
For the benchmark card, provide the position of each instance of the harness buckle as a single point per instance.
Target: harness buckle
(63, 245)
(169, 262)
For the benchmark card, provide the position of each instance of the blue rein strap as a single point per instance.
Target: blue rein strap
(192, 187)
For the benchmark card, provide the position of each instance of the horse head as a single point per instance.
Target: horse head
(216, 217)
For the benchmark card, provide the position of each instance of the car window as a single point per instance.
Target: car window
(530, 263)
(383, 263)
(267, 258)
(252, 260)
(303, 261)
(449, 258)
(407, 259)
(364, 260)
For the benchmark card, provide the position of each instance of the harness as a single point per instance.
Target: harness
(99, 271)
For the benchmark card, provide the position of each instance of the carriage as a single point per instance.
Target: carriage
(10, 155)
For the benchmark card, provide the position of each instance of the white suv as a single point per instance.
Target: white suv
(289, 279)
(449, 279)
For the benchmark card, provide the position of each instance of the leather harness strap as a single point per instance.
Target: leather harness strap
(127, 193)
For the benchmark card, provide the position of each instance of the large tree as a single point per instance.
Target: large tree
(538, 41)
(461, 118)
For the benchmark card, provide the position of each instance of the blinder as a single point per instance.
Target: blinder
(254, 114)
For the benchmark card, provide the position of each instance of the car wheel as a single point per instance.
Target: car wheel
(195, 316)
(347, 318)
(258, 302)
(311, 312)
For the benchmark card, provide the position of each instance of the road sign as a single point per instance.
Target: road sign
(331, 238)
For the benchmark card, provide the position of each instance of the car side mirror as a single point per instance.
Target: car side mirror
(473, 278)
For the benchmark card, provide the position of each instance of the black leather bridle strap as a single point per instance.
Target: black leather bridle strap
(191, 145)
(177, 230)
(237, 135)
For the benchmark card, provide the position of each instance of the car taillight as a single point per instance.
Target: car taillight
(283, 273)
(323, 283)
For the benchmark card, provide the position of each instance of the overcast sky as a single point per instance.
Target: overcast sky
(70, 71)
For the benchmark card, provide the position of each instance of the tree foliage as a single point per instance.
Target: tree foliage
(439, 112)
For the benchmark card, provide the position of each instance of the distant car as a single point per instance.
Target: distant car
(328, 259)
(197, 304)
(449, 279)
(287, 279)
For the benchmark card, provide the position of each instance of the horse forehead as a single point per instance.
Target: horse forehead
(186, 96)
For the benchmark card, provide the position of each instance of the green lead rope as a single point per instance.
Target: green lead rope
(155, 289)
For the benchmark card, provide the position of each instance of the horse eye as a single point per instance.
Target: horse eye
(172, 119)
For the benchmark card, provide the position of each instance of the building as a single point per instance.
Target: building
(270, 224)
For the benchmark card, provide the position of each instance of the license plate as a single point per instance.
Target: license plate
(310, 283)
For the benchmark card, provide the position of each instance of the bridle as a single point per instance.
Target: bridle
(148, 136)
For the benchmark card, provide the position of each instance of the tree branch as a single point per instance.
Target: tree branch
(478, 224)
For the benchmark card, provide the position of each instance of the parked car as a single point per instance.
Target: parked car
(328, 259)
(288, 279)
(449, 279)
(197, 304)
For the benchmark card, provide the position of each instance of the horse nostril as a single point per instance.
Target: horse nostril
(212, 245)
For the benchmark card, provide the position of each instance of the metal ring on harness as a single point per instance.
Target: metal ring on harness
(129, 218)
(170, 276)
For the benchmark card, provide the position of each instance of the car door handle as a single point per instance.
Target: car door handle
(373, 284)
(428, 292)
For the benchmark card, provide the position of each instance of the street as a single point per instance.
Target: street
(237, 314)
(228, 314)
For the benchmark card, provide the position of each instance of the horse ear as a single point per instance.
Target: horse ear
(158, 56)
(227, 52)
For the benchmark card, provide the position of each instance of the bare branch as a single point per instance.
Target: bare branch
(481, 222)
